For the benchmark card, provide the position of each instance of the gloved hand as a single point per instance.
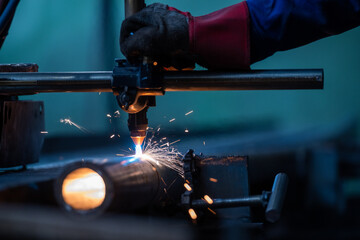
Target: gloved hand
(219, 40)
(160, 33)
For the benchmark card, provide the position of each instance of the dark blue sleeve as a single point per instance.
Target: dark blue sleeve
(278, 25)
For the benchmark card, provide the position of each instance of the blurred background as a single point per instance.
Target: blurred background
(82, 36)
(312, 135)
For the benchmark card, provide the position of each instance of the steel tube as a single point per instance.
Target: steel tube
(247, 80)
(130, 184)
(228, 203)
(133, 6)
(32, 83)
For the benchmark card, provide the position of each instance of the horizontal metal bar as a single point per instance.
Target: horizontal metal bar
(247, 80)
(231, 202)
(32, 83)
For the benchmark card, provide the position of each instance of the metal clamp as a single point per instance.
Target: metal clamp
(271, 200)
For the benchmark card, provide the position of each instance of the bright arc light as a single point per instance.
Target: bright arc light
(138, 150)
(83, 189)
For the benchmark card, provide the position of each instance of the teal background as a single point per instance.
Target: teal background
(83, 35)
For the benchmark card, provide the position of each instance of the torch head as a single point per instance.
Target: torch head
(138, 125)
(137, 138)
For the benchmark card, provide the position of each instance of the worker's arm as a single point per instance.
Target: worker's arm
(278, 25)
(236, 36)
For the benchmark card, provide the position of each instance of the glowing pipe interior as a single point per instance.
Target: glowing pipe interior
(83, 189)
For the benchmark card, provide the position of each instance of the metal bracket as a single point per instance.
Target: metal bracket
(271, 200)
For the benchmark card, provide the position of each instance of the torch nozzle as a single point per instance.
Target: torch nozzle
(138, 124)
(138, 140)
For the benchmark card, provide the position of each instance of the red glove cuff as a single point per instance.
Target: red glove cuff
(186, 14)
(221, 39)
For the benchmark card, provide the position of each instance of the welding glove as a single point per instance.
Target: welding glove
(159, 33)
(219, 40)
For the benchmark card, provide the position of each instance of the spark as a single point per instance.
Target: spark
(108, 115)
(71, 123)
(172, 183)
(112, 136)
(44, 132)
(186, 130)
(187, 187)
(163, 181)
(208, 199)
(192, 214)
(99, 93)
(204, 143)
(162, 155)
(174, 142)
(212, 211)
(117, 113)
(165, 144)
(213, 179)
(120, 155)
(189, 113)
(171, 120)
(118, 135)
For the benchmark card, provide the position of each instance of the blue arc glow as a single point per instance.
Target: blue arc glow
(138, 150)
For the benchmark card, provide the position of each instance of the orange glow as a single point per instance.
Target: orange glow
(212, 211)
(187, 186)
(213, 179)
(192, 214)
(83, 189)
(208, 199)
(155, 63)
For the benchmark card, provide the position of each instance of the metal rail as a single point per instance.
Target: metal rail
(249, 80)
(32, 83)
(231, 202)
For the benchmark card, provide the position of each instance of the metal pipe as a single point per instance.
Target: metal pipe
(32, 83)
(231, 202)
(133, 6)
(124, 183)
(247, 80)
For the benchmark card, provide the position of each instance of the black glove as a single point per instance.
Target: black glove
(158, 33)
